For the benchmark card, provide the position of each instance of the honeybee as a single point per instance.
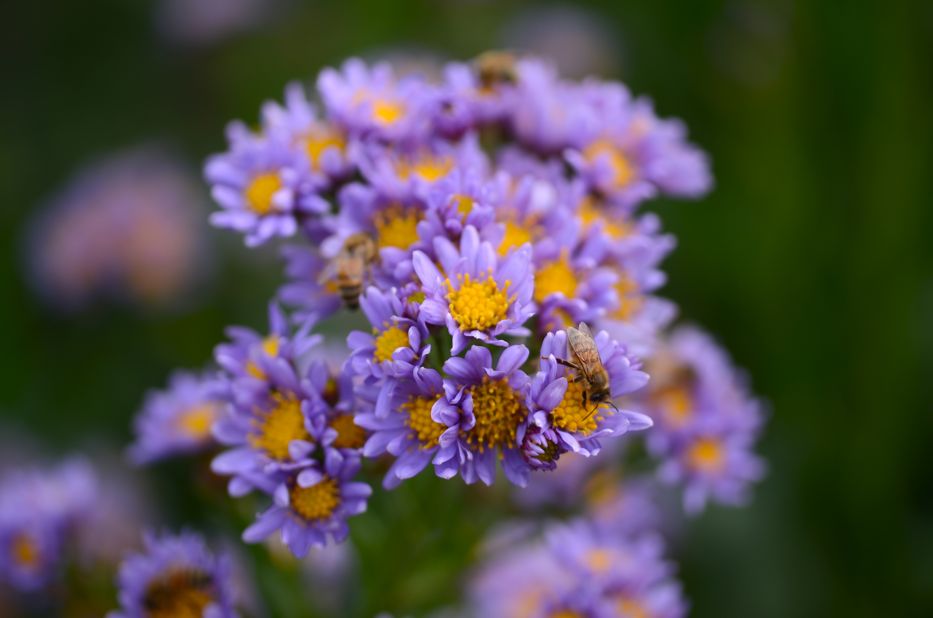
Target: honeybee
(349, 269)
(589, 367)
(164, 596)
(494, 68)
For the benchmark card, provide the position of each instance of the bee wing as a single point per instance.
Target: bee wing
(327, 273)
(584, 349)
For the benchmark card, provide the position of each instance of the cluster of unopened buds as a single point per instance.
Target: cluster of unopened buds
(487, 225)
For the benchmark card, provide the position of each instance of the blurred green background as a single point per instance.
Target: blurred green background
(811, 259)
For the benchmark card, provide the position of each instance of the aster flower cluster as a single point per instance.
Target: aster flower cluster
(179, 419)
(487, 226)
(289, 429)
(581, 568)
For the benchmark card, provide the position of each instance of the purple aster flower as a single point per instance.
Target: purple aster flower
(398, 342)
(126, 228)
(313, 506)
(176, 576)
(372, 101)
(465, 104)
(404, 174)
(559, 402)
(321, 146)
(392, 225)
(399, 415)
(463, 197)
(39, 511)
(269, 432)
(715, 460)
(250, 358)
(479, 295)
(707, 421)
(334, 409)
(634, 155)
(262, 186)
(177, 420)
(570, 283)
(485, 414)
(548, 114)
(607, 560)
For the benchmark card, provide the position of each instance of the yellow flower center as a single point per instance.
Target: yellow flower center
(397, 227)
(180, 593)
(463, 203)
(706, 455)
(278, 426)
(196, 422)
(320, 139)
(499, 410)
(598, 560)
(24, 550)
(269, 345)
(572, 416)
(630, 298)
(349, 434)
(425, 428)
(630, 608)
(260, 191)
(417, 297)
(622, 171)
(427, 168)
(590, 215)
(565, 613)
(388, 342)
(675, 403)
(556, 277)
(515, 236)
(478, 305)
(316, 502)
(387, 112)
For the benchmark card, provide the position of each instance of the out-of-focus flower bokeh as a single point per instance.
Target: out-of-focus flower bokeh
(810, 261)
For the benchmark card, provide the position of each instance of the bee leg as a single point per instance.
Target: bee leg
(567, 363)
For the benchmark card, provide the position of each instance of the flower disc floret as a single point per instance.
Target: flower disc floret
(277, 427)
(425, 429)
(499, 410)
(478, 305)
(317, 502)
(388, 341)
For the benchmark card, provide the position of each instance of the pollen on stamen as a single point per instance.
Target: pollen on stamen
(277, 427)
(397, 226)
(555, 277)
(478, 305)
(499, 410)
(571, 415)
(349, 434)
(180, 593)
(388, 342)
(317, 502)
(425, 429)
